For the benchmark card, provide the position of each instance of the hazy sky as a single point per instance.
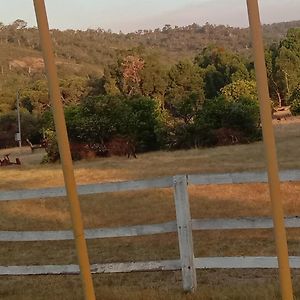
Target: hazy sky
(131, 15)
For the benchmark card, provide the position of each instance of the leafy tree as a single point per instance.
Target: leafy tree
(124, 76)
(185, 92)
(73, 89)
(295, 95)
(111, 84)
(145, 123)
(221, 67)
(287, 60)
(275, 88)
(219, 113)
(240, 89)
(36, 96)
(136, 74)
(153, 79)
(98, 119)
(101, 117)
(30, 126)
(294, 101)
(295, 107)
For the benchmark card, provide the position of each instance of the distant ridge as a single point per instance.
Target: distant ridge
(93, 49)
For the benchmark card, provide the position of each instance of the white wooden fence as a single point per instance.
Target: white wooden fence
(183, 225)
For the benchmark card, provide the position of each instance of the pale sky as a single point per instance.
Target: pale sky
(131, 15)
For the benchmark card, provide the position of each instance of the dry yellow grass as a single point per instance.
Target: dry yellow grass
(145, 207)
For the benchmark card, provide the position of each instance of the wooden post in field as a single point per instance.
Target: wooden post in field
(270, 150)
(185, 238)
(64, 149)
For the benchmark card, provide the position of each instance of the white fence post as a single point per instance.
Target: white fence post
(185, 238)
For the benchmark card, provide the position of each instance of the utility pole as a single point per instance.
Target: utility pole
(18, 134)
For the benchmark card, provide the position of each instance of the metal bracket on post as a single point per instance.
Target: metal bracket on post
(185, 238)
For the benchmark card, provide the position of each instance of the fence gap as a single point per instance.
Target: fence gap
(184, 228)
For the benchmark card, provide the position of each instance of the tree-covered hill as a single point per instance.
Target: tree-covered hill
(98, 47)
(87, 53)
(165, 88)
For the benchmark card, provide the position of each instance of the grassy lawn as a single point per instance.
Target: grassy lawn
(146, 207)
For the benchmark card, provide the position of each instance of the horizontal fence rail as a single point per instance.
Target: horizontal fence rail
(165, 182)
(242, 223)
(243, 177)
(88, 189)
(235, 262)
(243, 262)
(140, 230)
(137, 230)
(184, 226)
(164, 265)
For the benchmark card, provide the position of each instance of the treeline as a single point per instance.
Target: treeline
(97, 46)
(86, 53)
(207, 100)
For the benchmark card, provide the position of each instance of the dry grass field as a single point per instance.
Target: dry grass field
(148, 207)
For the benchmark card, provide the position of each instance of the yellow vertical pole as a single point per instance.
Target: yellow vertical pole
(270, 150)
(64, 149)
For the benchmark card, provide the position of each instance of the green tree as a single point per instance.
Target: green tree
(240, 89)
(220, 67)
(30, 126)
(294, 101)
(36, 95)
(288, 63)
(98, 119)
(185, 91)
(124, 76)
(242, 116)
(136, 73)
(153, 79)
(73, 89)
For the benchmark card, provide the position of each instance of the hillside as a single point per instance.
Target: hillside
(86, 53)
(154, 85)
(93, 49)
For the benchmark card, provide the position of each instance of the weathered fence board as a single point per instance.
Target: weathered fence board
(39, 270)
(164, 265)
(163, 182)
(138, 230)
(95, 268)
(87, 189)
(243, 177)
(242, 262)
(242, 223)
(202, 179)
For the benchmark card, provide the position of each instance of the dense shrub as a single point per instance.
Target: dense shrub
(294, 101)
(180, 136)
(240, 89)
(52, 147)
(30, 128)
(295, 107)
(145, 123)
(242, 116)
(295, 94)
(99, 119)
(220, 121)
